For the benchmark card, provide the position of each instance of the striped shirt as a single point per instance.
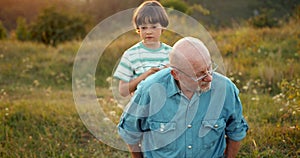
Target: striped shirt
(138, 59)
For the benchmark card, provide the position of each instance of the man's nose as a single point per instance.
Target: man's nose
(207, 78)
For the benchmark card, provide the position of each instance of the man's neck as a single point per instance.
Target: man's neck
(189, 94)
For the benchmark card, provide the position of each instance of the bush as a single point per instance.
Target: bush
(3, 32)
(53, 27)
(176, 4)
(22, 30)
(264, 19)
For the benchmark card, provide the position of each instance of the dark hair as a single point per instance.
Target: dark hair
(150, 12)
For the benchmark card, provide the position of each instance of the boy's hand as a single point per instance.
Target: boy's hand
(152, 71)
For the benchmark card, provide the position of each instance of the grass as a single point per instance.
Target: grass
(39, 125)
(39, 117)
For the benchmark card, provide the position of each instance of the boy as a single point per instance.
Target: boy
(145, 57)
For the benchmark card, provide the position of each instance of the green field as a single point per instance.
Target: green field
(39, 117)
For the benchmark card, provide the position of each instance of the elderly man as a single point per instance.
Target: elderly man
(186, 110)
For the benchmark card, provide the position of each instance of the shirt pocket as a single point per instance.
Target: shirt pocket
(161, 136)
(212, 132)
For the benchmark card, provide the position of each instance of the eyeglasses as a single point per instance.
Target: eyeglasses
(212, 68)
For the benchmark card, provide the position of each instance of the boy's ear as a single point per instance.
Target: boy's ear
(137, 31)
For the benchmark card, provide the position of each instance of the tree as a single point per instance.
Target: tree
(22, 30)
(53, 27)
(3, 32)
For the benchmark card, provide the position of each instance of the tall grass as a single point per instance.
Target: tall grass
(39, 119)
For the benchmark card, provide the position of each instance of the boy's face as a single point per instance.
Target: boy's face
(150, 33)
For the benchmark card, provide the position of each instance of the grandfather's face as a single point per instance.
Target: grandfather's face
(195, 75)
(192, 65)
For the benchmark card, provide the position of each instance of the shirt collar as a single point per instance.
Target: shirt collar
(172, 87)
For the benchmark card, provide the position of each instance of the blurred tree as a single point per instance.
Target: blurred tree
(22, 29)
(176, 4)
(53, 27)
(296, 12)
(185, 7)
(3, 32)
(101, 9)
(264, 19)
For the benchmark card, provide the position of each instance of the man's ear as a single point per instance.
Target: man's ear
(174, 74)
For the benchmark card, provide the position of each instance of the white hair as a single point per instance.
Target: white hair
(188, 48)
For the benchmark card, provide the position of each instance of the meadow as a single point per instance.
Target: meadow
(39, 118)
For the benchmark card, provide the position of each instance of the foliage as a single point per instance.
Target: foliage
(263, 19)
(260, 58)
(36, 64)
(290, 100)
(3, 32)
(296, 13)
(39, 119)
(44, 123)
(221, 13)
(22, 30)
(53, 27)
(198, 8)
(176, 4)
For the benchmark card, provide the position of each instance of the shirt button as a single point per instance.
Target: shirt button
(216, 126)
(189, 126)
(161, 129)
(190, 147)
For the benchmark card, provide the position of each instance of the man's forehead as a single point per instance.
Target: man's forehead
(192, 48)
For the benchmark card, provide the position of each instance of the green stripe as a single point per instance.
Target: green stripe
(149, 60)
(125, 66)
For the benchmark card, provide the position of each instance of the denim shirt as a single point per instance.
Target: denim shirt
(169, 125)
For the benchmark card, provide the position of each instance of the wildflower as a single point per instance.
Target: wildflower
(109, 79)
(106, 119)
(254, 91)
(245, 87)
(112, 113)
(36, 83)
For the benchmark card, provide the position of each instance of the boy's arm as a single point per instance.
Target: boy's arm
(126, 88)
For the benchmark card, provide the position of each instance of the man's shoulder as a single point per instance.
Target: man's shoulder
(221, 77)
(162, 77)
(221, 80)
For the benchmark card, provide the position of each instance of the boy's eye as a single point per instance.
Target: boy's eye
(148, 27)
